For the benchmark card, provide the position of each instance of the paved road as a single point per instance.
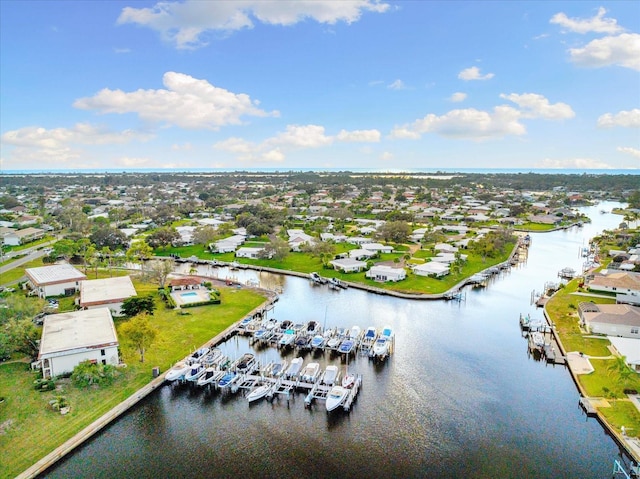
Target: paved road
(31, 254)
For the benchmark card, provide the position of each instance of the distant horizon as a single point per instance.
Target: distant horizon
(548, 171)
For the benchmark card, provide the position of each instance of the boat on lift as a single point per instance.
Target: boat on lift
(177, 372)
(336, 396)
(259, 392)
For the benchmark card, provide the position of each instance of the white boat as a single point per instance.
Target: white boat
(355, 333)
(195, 371)
(330, 375)
(287, 338)
(310, 372)
(369, 336)
(538, 339)
(210, 376)
(277, 369)
(245, 362)
(198, 354)
(259, 392)
(336, 397)
(386, 332)
(381, 347)
(348, 380)
(294, 368)
(177, 371)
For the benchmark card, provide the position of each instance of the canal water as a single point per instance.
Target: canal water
(461, 396)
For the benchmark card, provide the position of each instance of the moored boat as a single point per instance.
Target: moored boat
(330, 375)
(195, 371)
(310, 372)
(348, 380)
(210, 376)
(380, 348)
(336, 396)
(259, 392)
(346, 346)
(294, 368)
(177, 371)
(317, 341)
(287, 338)
(226, 380)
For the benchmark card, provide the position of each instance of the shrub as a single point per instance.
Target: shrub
(44, 385)
(87, 373)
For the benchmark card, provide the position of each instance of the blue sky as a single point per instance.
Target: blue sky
(384, 85)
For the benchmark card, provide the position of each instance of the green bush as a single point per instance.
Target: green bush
(44, 385)
(87, 373)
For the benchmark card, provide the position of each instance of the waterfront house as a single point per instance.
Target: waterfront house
(614, 281)
(611, 319)
(185, 283)
(107, 292)
(377, 248)
(386, 273)
(432, 269)
(54, 280)
(73, 337)
(348, 265)
(227, 245)
(246, 252)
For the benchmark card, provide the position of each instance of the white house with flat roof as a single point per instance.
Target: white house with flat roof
(107, 292)
(348, 265)
(432, 269)
(71, 338)
(55, 280)
(386, 273)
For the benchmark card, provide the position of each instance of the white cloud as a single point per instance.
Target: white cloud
(622, 50)
(574, 163)
(533, 105)
(34, 146)
(597, 23)
(468, 124)
(473, 73)
(627, 150)
(129, 162)
(396, 85)
(361, 136)
(294, 137)
(458, 97)
(628, 119)
(185, 146)
(186, 102)
(386, 156)
(185, 23)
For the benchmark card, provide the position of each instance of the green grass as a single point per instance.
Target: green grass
(29, 429)
(562, 309)
(16, 274)
(623, 413)
(535, 227)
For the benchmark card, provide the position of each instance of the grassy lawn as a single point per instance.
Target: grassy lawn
(15, 274)
(562, 308)
(535, 227)
(29, 429)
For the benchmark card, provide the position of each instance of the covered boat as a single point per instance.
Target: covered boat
(310, 372)
(294, 368)
(330, 375)
(177, 371)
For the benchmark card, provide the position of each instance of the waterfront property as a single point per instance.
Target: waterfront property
(107, 292)
(386, 273)
(71, 338)
(610, 319)
(55, 280)
(614, 281)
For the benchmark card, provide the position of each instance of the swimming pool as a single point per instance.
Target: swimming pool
(190, 294)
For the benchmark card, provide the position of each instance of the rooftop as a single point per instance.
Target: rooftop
(56, 273)
(107, 290)
(90, 328)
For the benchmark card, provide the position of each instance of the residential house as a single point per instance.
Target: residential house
(629, 349)
(614, 281)
(431, 269)
(253, 253)
(227, 245)
(107, 292)
(377, 248)
(14, 237)
(348, 265)
(386, 273)
(610, 319)
(55, 280)
(73, 337)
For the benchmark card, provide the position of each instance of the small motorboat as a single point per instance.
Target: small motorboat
(195, 371)
(336, 397)
(245, 362)
(381, 348)
(245, 322)
(177, 371)
(386, 332)
(302, 341)
(227, 380)
(310, 372)
(287, 338)
(330, 375)
(348, 380)
(211, 375)
(369, 336)
(355, 333)
(317, 341)
(277, 369)
(294, 368)
(346, 346)
(198, 354)
(259, 392)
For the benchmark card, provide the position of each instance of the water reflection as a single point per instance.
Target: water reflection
(459, 398)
